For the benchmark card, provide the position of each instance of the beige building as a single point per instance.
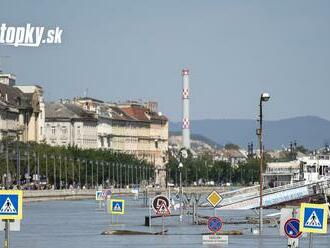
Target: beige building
(21, 110)
(133, 128)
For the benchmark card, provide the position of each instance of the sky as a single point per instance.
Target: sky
(128, 50)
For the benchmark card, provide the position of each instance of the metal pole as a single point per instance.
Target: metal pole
(117, 169)
(310, 241)
(108, 164)
(79, 179)
(7, 229)
(92, 175)
(120, 177)
(38, 177)
(46, 160)
(73, 172)
(113, 174)
(261, 165)
(86, 173)
(102, 174)
(127, 170)
(60, 158)
(181, 197)
(132, 172)
(7, 165)
(97, 174)
(66, 172)
(18, 163)
(54, 172)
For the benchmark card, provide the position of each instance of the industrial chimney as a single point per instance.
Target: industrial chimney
(185, 110)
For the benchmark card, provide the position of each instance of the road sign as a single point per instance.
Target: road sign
(214, 224)
(14, 226)
(215, 239)
(100, 195)
(291, 228)
(313, 218)
(160, 203)
(163, 209)
(117, 206)
(214, 198)
(293, 243)
(11, 204)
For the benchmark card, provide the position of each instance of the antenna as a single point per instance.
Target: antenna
(86, 92)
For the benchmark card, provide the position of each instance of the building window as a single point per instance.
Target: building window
(64, 130)
(53, 130)
(78, 131)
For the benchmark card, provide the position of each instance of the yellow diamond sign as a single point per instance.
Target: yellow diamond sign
(214, 198)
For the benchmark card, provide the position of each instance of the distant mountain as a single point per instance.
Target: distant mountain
(310, 131)
(199, 137)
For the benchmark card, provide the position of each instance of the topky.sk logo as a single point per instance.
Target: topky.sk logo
(29, 36)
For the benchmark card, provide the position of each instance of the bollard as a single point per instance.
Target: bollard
(147, 221)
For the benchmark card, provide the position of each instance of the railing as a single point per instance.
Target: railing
(323, 184)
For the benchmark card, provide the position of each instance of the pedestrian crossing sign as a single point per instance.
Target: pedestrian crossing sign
(11, 204)
(117, 206)
(313, 218)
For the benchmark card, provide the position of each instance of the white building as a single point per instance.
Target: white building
(68, 124)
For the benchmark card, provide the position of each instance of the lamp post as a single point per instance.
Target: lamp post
(79, 179)
(60, 176)
(54, 171)
(263, 98)
(181, 192)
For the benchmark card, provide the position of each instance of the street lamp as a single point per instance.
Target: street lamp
(263, 98)
(181, 192)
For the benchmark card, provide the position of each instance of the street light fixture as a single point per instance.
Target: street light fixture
(263, 98)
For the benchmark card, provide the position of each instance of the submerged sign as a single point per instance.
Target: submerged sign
(117, 206)
(313, 218)
(11, 205)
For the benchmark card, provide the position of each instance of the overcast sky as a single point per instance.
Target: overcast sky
(124, 49)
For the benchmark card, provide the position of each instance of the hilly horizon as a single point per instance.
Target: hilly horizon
(310, 131)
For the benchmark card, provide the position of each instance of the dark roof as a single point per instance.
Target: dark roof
(66, 111)
(14, 95)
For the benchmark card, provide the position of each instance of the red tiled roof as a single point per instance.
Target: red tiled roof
(136, 112)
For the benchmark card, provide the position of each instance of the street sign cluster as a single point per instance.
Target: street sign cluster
(313, 219)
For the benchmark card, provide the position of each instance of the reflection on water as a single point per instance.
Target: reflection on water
(79, 224)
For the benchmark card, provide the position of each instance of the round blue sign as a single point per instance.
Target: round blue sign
(214, 224)
(291, 228)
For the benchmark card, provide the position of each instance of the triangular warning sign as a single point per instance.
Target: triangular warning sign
(313, 221)
(8, 207)
(117, 208)
(163, 209)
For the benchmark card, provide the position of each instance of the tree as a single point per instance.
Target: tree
(231, 146)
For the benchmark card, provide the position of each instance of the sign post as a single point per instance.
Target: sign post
(161, 206)
(11, 208)
(313, 219)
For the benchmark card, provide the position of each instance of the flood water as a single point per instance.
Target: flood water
(79, 224)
